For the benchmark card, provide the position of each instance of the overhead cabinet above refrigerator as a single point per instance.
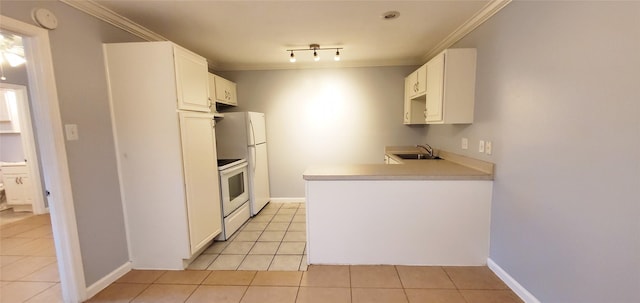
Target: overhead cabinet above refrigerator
(222, 90)
(166, 151)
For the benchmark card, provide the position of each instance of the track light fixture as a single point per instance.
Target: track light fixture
(315, 48)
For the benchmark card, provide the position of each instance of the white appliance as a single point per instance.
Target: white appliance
(243, 135)
(234, 194)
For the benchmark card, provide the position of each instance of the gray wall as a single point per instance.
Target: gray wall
(557, 94)
(82, 90)
(325, 116)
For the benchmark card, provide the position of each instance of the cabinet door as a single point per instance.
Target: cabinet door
(421, 80)
(435, 85)
(201, 178)
(407, 101)
(225, 91)
(414, 108)
(192, 82)
(18, 189)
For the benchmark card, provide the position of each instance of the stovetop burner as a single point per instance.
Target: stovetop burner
(223, 162)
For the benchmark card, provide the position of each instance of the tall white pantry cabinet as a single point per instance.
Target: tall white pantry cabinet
(166, 152)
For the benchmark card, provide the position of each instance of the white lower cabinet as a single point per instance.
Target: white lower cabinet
(17, 187)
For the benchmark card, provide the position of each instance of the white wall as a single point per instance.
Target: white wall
(557, 93)
(325, 116)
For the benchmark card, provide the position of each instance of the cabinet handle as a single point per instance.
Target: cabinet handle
(17, 181)
(406, 116)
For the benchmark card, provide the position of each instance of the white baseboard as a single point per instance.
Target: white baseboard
(522, 292)
(108, 279)
(288, 200)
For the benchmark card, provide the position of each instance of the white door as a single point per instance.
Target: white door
(257, 129)
(201, 178)
(260, 180)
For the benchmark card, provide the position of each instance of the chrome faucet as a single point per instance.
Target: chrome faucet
(426, 148)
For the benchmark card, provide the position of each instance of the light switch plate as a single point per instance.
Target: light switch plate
(481, 146)
(487, 148)
(465, 143)
(72, 131)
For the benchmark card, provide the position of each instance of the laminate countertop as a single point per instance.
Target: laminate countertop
(451, 167)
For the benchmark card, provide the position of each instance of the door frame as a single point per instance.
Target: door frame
(55, 169)
(28, 145)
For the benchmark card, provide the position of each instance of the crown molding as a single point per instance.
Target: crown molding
(314, 65)
(490, 9)
(94, 9)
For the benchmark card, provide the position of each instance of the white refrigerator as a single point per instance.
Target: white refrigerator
(242, 135)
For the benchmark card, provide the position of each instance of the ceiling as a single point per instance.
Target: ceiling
(245, 35)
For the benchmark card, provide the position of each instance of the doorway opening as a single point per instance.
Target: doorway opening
(54, 170)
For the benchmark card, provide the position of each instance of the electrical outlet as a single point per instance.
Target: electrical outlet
(71, 131)
(487, 148)
(481, 146)
(465, 143)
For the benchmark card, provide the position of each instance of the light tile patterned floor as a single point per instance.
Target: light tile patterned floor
(357, 284)
(275, 239)
(29, 272)
(28, 266)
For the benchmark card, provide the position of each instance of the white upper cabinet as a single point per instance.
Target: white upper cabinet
(418, 82)
(414, 108)
(192, 83)
(223, 90)
(451, 81)
(435, 83)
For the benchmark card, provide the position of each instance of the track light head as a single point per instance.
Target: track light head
(337, 56)
(292, 58)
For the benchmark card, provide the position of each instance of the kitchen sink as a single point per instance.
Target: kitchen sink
(417, 157)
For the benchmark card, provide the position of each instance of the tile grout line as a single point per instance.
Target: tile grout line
(36, 294)
(454, 283)
(404, 290)
(350, 285)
